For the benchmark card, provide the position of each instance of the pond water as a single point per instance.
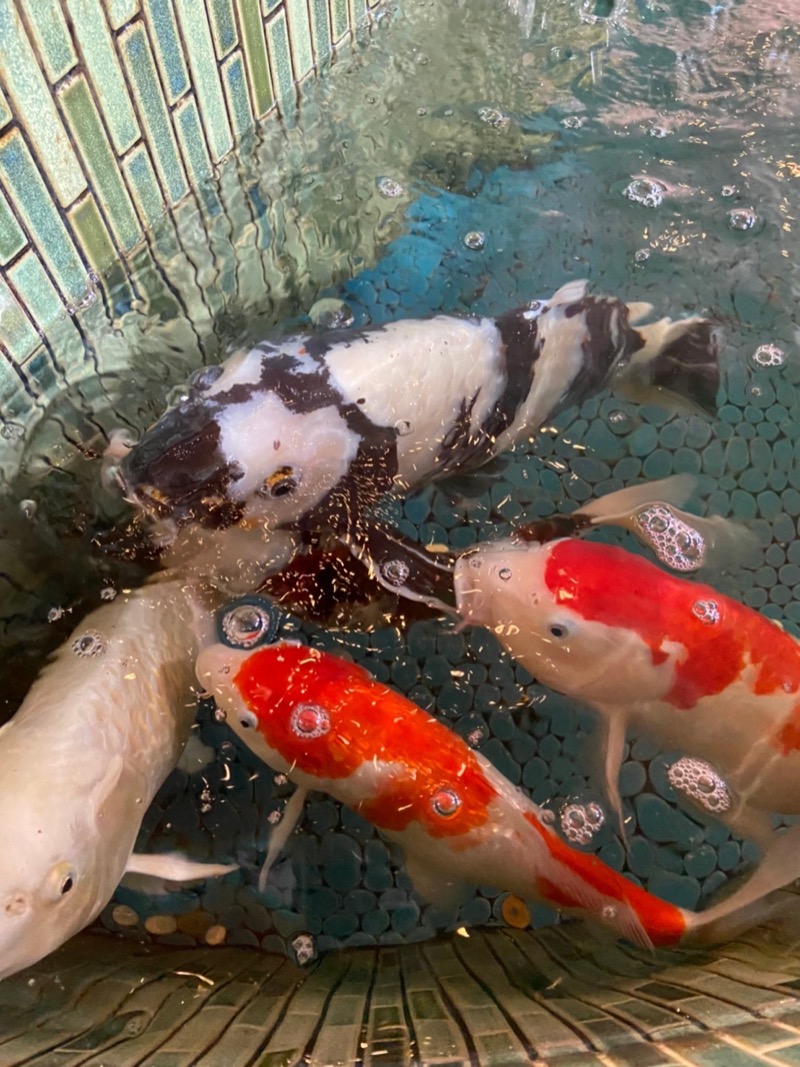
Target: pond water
(468, 157)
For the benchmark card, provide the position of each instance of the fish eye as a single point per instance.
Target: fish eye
(248, 720)
(281, 482)
(67, 884)
(60, 881)
(559, 630)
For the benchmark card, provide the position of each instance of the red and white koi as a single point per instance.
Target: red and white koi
(328, 725)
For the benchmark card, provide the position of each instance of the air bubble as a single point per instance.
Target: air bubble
(573, 122)
(768, 356)
(645, 191)
(275, 817)
(742, 218)
(395, 572)
(706, 611)
(331, 314)
(28, 509)
(310, 720)
(245, 625)
(477, 735)
(402, 427)
(658, 131)
(220, 714)
(609, 912)
(12, 432)
(492, 116)
(89, 644)
(699, 781)
(580, 822)
(445, 802)
(56, 613)
(547, 816)
(641, 256)
(108, 593)
(673, 541)
(304, 949)
(202, 380)
(389, 187)
(619, 418)
(728, 190)
(504, 574)
(475, 240)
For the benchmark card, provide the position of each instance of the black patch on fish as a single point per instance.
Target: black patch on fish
(609, 341)
(407, 567)
(552, 529)
(689, 366)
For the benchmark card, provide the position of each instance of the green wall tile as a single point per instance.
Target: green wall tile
(46, 20)
(281, 59)
(40, 216)
(16, 332)
(300, 37)
(120, 12)
(223, 25)
(103, 68)
(255, 55)
(144, 82)
(30, 279)
(100, 162)
(340, 18)
(207, 86)
(168, 47)
(12, 239)
(144, 187)
(270, 5)
(93, 235)
(359, 12)
(233, 80)
(5, 111)
(34, 106)
(321, 30)
(192, 142)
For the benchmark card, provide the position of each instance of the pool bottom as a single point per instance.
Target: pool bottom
(496, 997)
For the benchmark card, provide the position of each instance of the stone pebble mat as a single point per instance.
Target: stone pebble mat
(338, 884)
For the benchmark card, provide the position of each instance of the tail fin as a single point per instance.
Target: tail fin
(748, 905)
(680, 359)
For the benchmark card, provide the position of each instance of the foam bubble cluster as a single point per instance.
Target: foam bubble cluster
(699, 781)
(675, 542)
(310, 720)
(706, 611)
(89, 644)
(245, 625)
(395, 572)
(645, 191)
(445, 802)
(768, 356)
(580, 822)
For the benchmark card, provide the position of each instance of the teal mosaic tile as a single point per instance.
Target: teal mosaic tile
(144, 82)
(340, 19)
(12, 239)
(255, 56)
(223, 26)
(40, 216)
(281, 59)
(49, 27)
(235, 85)
(42, 300)
(320, 28)
(300, 37)
(17, 334)
(93, 235)
(144, 187)
(5, 111)
(34, 106)
(99, 160)
(205, 73)
(169, 50)
(359, 12)
(103, 67)
(192, 142)
(120, 12)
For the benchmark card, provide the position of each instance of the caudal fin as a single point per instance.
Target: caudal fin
(679, 359)
(749, 906)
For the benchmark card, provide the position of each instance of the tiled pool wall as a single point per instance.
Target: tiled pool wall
(112, 112)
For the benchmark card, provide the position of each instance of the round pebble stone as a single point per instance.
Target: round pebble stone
(729, 855)
(658, 464)
(463, 537)
(549, 747)
(405, 917)
(422, 697)
(672, 434)
(753, 481)
(731, 414)
(487, 698)
(436, 670)
(603, 443)
(700, 862)
(687, 461)
(643, 440)
(502, 725)
(477, 911)
(784, 530)
(375, 922)
(781, 595)
(522, 747)
(161, 925)
(613, 853)
(768, 430)
(680, 890)
(713, 459)
(340, 925)
(534, 773)
(775, 556)
(712, 884)
(769, 504)
(667, 859)
(495, 751)
(790, 498)
(743, 505)
(421, 640)
(698, 432)
(455, 700)
(766, 577)
(655, 817)
(561, 768)
(755, 598)
(632, 778)
(124, 916)
(452, 646)
(215, 935)
(641, 855)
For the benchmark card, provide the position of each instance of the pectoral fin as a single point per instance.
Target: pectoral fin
(433, 885)
(282, 832)
(173, 867)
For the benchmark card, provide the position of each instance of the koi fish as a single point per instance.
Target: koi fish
(309, 434)
(671, 659)
(328, 725)
(97, 734)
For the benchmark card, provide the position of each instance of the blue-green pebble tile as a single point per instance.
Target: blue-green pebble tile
(713, 884)
(495, 751)
(632, 778)
(658, 464)
(700, 862)
(613, 853)
(405, 917)
(341, 925)
(655, 817)
(534, 773)
(549, 748)
(454, 699)
(677, 889)
(729, 855)
(641, 855)
(378, 879)
(502, 725)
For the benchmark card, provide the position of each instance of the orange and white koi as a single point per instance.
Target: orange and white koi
(328, 725)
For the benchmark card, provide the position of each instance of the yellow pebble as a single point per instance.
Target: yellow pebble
(215, 935)
(124, 916)
(161, 924)
(515, 912)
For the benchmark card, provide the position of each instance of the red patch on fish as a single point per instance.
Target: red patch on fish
(328, 717)
(608, 585)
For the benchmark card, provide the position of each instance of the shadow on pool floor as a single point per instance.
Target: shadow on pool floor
(494, 998)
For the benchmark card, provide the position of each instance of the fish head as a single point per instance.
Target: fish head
(254, 445)
(533, 605)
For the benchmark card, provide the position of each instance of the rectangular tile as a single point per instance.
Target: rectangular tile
(321, 30)
(5, 111)
(205, 74)
(12, 239)
(120, 11)
(99, 161)
(223, 26)
(235, 85)
(144, 187)
(340, 19)
(255, 55)
(158, 127)
(102, 66)
(299, 37)
(281, 60)
(192, 142)
(94, 236)
(168, 47)
(16, 331)
(49, 27)
(270, 5)
(359, 13)
(34, 107)
(40, 216)
(42, 301)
